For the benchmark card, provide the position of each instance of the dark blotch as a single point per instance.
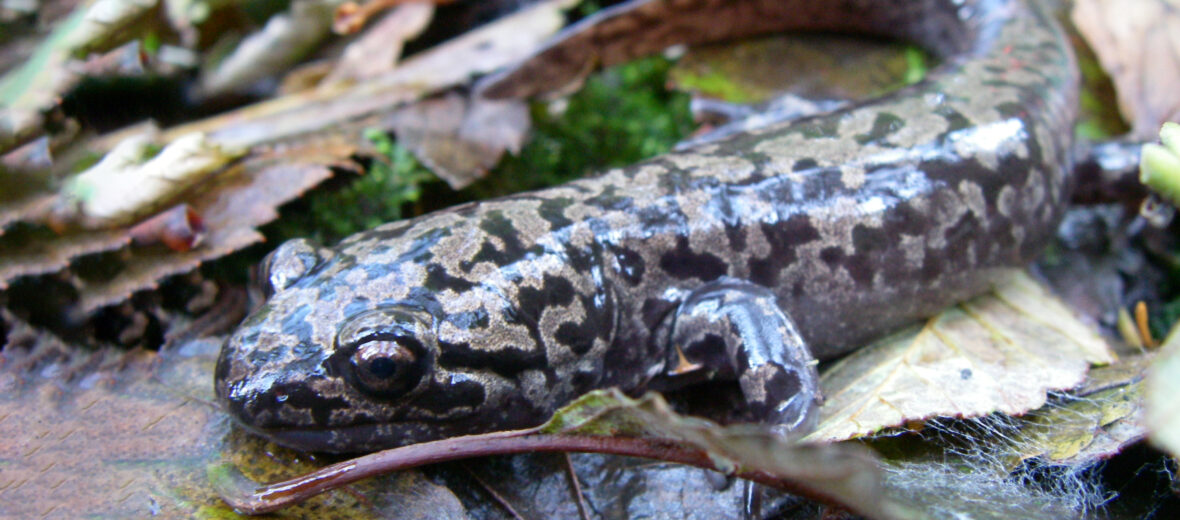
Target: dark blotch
(682, 263)
(477, 319)
(610, 199)
(832, 255)
(578, 336)
(438, 280)
(462, 395)
(497, 225)
(884, 125)
(508, 361)
(298, 396)
(804, 164)
(553, 211)
(585, 381)
(736, 235)
(630, 265)
(784, 237)
(818, 128)
(955, 120)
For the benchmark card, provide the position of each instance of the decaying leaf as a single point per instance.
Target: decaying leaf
(329, 123)
(1138, 43)
(461, 138)
(125, 185)
(1161, 390)
(378, 50)
(241, 199)
(180, 228)
(108, 24)
(232, 205)
(129, 435)
(22, 196)
(1093, 422)
(286, 38)
(31, 90)
(40, 252)
(1000, 352)
(452, 63)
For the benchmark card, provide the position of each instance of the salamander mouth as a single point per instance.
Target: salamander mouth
(348, 439)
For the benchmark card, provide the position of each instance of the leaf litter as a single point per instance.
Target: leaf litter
(317, 130)
(1001, 352)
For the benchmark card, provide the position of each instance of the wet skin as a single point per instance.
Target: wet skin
(752, 256)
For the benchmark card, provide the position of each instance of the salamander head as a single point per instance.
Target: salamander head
(377, 343)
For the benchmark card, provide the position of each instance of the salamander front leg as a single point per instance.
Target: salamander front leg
(735, 329)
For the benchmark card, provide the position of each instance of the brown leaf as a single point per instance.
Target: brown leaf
(129, 435)
(460, 138)
(99, 425)
(286, 38)
(377, 51)
(179, 228)
(37, 252)
(243, 198)
(452, 63)
(1138, 43)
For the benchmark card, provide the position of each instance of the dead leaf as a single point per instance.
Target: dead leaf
(232, 205)
(40, 252)
(33, 89)
(328, 123)
(286, 38)
(999, 352)
(378, 50)
(23, 196)
(107, 25)
(242, 199)
(126, 186)
(179, 228)
(1162, 389)
(1138, 43)
(461, 138)
(452, 63)
(129, 435)
(1094, 422)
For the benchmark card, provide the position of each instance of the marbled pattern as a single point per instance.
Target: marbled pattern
(491, 315)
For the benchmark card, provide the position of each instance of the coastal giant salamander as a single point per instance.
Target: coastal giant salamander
(751, 257)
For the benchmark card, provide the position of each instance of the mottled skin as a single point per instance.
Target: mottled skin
(745, 255)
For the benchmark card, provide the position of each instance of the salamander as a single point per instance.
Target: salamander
(745, 259)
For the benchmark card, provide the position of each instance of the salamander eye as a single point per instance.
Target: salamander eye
(387, 352)
(389, 367)
(290, 262)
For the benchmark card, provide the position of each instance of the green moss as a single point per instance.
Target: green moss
(1099, 116)
(622, 115)
(393, 182)
(619, 117)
